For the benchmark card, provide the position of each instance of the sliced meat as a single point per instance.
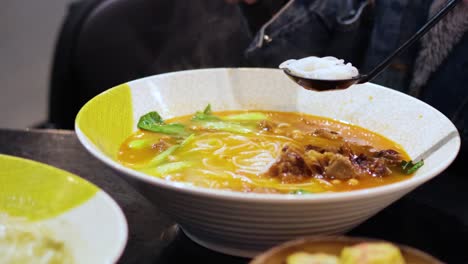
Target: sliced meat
(318, 159)
(322, 148)
(340, 167)
(373, 166)
(352, 150)
(390, 156)
(332, 165)
(379, 168)
(290, 166)
(347, 151)
(346, 162)
(314, 148)
(374, 162)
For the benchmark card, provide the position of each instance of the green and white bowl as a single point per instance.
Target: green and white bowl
(245, 224)
(70, 209)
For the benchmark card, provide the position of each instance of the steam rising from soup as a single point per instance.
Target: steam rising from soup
(264, 152)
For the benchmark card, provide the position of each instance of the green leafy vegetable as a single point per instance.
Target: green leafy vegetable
(300, 191)
(409, 167)
(152, 121)
(172, 167)
(206, 115)
(254, 116)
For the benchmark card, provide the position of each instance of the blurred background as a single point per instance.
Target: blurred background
(28, 31)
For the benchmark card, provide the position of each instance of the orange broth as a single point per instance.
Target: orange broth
(238, 162)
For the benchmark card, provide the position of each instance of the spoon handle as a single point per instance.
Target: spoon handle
(448, 6)
(428, 152)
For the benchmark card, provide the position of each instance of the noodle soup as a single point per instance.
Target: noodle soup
(264, 152)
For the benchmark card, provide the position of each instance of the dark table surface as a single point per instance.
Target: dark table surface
(433, 218)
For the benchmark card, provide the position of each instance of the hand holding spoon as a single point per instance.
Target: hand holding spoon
(332, 84)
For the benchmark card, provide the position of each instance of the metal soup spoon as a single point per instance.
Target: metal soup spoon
(328, 84)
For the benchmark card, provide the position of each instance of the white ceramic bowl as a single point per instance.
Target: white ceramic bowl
(73, 211)
(245, 224)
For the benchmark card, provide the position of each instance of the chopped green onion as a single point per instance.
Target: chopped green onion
(187, 140)
(203, 117)
(161, 157)
(167, 129)
(409, 167)
(172, 167)
(138, 144)
(227, 126)
(254, 116)
(208, 121)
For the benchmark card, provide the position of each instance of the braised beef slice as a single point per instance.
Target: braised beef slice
(315, 148)
(374, 162)
(390, 156)
(379, 168)
(347, 151)
(374, 166)
(317, 161)
(352, 150)
(332, 165)
(290, 166)
(349, 161)
(323, 148)
(341, 168)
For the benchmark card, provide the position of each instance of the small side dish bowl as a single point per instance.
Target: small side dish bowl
(244, 224)
(333, 245)
(57, 206)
